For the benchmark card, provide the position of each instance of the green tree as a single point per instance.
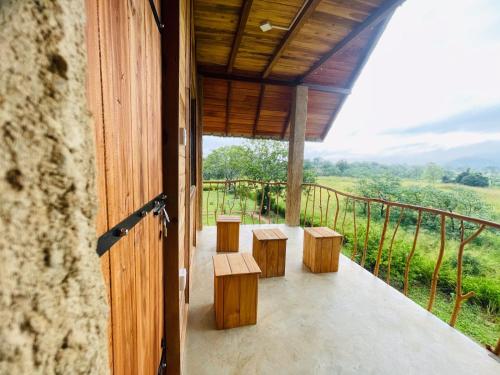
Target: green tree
(266, 160)
(342, 166)
(433, 172)
(225, 163)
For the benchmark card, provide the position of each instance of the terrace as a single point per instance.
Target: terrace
(353, 321)
(349, 322)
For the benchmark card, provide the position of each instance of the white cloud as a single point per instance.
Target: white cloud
(436, 59)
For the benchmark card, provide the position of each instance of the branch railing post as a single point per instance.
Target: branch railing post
(459, 297)
(410, 255)
(435, 274)
(389, 252)
(365, 246)
(381, 242)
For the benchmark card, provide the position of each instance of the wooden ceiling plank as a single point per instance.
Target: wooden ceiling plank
(228, 104)
(307, 11)
(382, 12)
(245, 12)
(259, 106)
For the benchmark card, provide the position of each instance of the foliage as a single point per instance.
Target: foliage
(432, 172)
(262, 160)
(385, 187)
(459, 200)
(362, 169)
(225, 163)
(266, 160)
(472, 179)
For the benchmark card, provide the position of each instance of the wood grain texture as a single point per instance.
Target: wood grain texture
(321, 250)
(235, 290)
(269, 251)
(228, 233)
(296, 155)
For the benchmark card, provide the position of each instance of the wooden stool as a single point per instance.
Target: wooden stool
(269, 251)
(236, 285)
(322, 249)
(228, 233)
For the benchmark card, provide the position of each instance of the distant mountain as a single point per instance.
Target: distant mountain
(476, 156)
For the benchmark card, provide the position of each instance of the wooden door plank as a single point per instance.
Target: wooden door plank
(139, 155)
(116, 97)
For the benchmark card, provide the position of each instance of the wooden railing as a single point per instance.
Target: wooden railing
(261, 202)
(343, 203)
(257, 202)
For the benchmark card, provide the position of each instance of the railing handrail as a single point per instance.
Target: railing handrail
(431, 210)
(435, 211)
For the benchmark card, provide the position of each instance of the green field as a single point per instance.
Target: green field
(491, 195)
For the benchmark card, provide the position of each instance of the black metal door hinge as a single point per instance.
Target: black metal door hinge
(160, 25)
(112, 236)
(162, 367)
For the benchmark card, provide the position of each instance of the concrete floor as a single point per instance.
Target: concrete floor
(349, 322)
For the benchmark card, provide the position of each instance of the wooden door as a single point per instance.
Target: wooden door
(124, 95)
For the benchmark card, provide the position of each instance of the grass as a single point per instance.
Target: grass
(474, 321)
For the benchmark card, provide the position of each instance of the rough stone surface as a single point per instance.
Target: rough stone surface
(53, 314)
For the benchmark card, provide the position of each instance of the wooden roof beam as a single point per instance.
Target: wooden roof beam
(245, 12)
(382, 12)
(312, 86)
(307, 11)
(259, 107)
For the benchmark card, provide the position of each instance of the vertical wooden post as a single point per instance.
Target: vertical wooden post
(199, 155)
(171, 70)
(296, 141)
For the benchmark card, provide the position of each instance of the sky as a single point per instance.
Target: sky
(430, 87)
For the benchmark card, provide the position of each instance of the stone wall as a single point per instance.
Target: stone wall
(53, 313)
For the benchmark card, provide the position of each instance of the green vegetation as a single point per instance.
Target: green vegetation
(255, 160)
(430, 186)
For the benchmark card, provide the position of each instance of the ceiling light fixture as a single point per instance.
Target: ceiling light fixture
(267, 25)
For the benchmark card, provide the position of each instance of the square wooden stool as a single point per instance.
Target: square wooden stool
(228, 233)
(269, 251)
(236, 282)
(322, 249)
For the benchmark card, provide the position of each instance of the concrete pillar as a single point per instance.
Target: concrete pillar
(296, 141)
(53, 309)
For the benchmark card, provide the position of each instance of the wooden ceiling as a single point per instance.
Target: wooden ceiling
(249, 75)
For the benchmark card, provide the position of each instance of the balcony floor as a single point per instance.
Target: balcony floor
(348, 322)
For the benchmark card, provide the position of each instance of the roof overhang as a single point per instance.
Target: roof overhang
(249, 75)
